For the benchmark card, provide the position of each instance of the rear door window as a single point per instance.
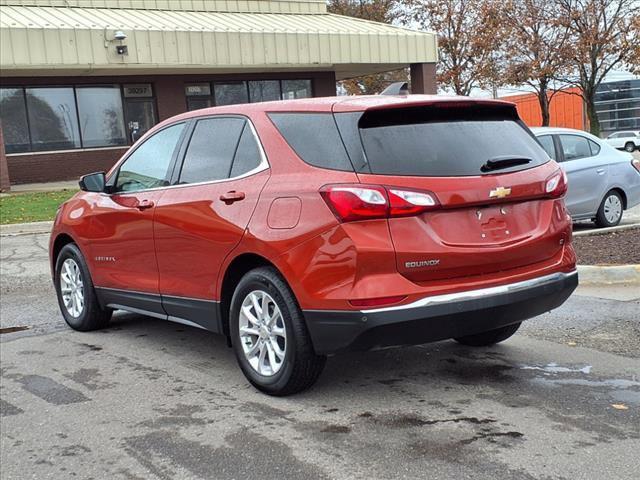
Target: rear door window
(575, 147)
(451, 141)
(210, 153)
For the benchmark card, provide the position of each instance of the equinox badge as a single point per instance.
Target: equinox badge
(500, 192)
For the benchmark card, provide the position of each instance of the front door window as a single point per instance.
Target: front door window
(148, 166)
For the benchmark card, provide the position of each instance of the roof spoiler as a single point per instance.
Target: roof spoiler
(397, 88)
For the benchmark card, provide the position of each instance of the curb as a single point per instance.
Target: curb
(602, 231)
(25, 228)
(596, 275)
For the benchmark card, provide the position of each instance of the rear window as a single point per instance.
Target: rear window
(443, 142)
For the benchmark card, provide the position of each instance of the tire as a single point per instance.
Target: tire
(629, 147)
(610, 210)
(89, 316)
(491, 337)
(296, 367)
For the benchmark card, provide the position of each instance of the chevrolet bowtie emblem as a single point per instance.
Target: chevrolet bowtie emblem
(500, 192)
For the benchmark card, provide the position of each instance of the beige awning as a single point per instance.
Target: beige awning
(37, 40)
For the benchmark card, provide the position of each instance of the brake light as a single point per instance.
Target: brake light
(353, 202)
(556, 185)
(636, 164)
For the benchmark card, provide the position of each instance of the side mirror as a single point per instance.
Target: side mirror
(93, 182)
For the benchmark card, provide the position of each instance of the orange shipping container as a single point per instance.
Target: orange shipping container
(567, 109)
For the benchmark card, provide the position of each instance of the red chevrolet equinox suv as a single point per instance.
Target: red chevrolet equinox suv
(300, 229)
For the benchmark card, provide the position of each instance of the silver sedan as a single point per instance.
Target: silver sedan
(603, 182)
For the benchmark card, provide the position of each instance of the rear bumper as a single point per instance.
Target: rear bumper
(438, 317)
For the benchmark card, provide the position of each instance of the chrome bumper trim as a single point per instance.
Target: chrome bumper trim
(474, 294)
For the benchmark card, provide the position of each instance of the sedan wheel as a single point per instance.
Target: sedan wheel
(610, 211)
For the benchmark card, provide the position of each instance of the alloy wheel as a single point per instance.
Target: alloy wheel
(262, 332)
(72, 288)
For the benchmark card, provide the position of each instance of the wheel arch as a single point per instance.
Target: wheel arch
(58, 244)
(238, 267)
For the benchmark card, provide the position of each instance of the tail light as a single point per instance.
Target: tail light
(636, 164)
(556, 185)
(353, 202)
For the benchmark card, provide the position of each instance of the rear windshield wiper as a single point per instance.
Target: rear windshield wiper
(505, 161)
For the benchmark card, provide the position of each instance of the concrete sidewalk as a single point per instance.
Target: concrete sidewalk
(43, 187)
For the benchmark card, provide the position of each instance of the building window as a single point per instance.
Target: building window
(199, 95)
(64, 118)
(230, 93)
(296, 89)
(264, 90)
(13, 113)
(101, 116)
(618, 106)
(53, 119)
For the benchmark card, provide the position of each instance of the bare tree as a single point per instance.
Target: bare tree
(469, 43)
(537, 48)
(384, 11)
(605, 34)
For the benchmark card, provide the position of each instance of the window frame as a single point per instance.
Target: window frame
(177, 168)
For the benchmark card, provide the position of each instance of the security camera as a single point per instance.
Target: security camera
(120, 35)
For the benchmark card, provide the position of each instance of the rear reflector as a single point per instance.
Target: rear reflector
(377, 302)
(353, 202)
(556, 185)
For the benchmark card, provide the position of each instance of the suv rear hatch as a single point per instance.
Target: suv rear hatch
(492, 182)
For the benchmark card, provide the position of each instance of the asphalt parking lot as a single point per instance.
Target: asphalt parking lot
(148, 399)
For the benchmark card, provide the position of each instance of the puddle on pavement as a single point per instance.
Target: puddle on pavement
(624, 390)
(555, 368)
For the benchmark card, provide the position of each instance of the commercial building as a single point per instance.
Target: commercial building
(83, 79)
(617, 104)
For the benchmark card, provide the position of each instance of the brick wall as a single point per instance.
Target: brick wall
(52, 167)
(169, 91)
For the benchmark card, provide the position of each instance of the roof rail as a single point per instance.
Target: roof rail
(397, 88)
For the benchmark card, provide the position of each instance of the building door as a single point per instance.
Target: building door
(139, 110)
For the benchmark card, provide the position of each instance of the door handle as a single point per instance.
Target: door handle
(145, 204)
(600, 171)
(232, 196)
